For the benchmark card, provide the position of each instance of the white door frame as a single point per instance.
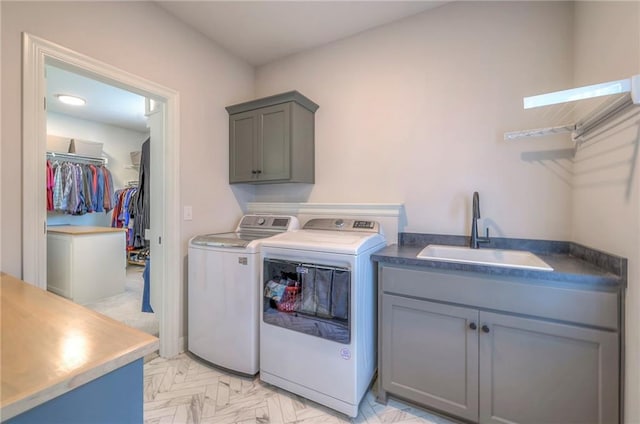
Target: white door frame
(34, 122)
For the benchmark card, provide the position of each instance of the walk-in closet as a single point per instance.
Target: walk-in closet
(97, 187)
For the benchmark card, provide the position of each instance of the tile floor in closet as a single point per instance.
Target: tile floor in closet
(186, 390)
(126, 306)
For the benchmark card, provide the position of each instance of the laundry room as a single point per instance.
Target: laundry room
(362, 211)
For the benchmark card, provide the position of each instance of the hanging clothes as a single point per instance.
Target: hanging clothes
(78, 189)
(108, 189)
(57, 186)
(49, 186)
(146, 291)
(86, 190)
(100, 190)
(121, 218)
(94, 187)
(141, 210)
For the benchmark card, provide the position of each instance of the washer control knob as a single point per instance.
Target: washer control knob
(339, 223)
(261, 221)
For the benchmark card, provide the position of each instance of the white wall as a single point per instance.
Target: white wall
(141, 38)
(606, 201)
(117, 144)
(414, 112)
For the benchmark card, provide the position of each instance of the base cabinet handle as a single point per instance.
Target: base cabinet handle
(473, 326)
(485, 328)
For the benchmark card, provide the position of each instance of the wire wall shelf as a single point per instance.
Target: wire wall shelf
(625, 97)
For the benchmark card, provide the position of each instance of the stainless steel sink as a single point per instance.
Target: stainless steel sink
(494, 257)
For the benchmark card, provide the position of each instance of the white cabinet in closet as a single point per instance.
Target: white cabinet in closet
(86, 264)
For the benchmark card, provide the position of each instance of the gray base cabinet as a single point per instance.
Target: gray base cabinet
(484, 361)
(418, 332)
(534, 371)
(271, 140)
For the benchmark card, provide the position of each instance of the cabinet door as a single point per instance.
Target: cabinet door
(243, 136)
(274, 145)
(59, 265)
(534, 371)
(430, 354)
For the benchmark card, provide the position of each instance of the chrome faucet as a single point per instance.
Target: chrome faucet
(475, 215)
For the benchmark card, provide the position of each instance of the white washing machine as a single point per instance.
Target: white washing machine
(318, 311)
(224, 290)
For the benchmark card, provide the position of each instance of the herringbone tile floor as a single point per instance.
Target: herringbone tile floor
(185, 390)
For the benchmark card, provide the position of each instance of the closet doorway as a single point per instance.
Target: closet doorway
(101, 129)
(164, 232)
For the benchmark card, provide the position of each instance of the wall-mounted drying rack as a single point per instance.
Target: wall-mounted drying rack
(73, 157)
(629, 98)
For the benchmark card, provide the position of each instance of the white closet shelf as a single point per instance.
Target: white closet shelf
(73, 157)
(628, 98)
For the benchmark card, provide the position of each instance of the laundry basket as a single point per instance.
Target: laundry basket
(290, 300)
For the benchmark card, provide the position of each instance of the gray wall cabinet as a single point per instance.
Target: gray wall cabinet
(484, 361)
(271, 140)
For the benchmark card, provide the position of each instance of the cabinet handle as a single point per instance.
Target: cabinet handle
(259, 171)
(473, 326)
(485, 329)
(253, 171)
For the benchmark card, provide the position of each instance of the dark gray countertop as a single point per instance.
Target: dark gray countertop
(571, 262)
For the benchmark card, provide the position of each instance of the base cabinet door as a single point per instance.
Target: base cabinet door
(430, 354)
(59, 265)
(534, 371)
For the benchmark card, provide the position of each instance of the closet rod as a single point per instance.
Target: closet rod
(306, 265)
(319, 266)
(73, 157)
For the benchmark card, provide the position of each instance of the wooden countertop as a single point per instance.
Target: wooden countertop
(51, 345)
(80, 230)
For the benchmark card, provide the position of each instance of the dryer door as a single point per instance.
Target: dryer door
(309, 298)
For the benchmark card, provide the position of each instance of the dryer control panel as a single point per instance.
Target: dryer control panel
(342, 224)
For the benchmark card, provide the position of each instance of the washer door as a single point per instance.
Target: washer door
(240, 239)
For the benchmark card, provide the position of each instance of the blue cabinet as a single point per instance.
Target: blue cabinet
(116, 397)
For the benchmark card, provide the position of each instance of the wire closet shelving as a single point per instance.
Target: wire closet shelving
(627, 99)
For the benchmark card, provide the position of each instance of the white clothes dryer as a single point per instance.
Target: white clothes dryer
(224, 289)
(318, 314)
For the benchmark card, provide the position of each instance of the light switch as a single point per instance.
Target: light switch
(188, 213)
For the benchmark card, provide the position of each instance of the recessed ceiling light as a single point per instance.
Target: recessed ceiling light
(71, 100)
